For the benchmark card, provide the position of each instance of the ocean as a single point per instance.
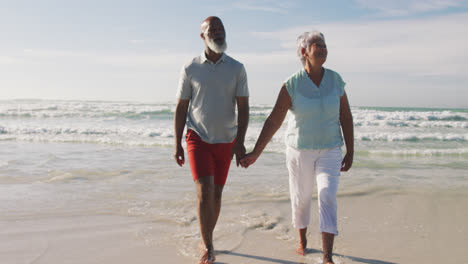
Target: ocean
(67, 158)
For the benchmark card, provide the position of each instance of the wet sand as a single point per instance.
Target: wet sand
(424, 226)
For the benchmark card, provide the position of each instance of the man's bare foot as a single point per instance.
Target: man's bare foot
(327, 259)
(208, 257)
(201, 246)
(301, 249)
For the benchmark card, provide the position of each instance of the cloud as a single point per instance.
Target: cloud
(429, 46)
(264, 6)
(9, 60)
(409, 7)
(113, 59)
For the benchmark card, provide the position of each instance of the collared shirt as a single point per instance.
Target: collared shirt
(315, 119)
(212, 89)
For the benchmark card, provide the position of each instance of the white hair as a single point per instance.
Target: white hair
(305, 40)
(218, 48)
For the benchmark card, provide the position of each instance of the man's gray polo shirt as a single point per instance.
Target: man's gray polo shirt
(212, 89)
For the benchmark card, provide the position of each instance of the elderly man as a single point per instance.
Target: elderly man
(210, 87)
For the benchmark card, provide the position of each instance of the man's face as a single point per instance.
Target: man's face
(215, 31)
(215, 36)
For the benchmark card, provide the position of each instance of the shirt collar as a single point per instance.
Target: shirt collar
(205, 59)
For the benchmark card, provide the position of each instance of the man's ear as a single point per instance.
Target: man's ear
(202, 35)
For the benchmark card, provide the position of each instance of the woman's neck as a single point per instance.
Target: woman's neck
(315, 72)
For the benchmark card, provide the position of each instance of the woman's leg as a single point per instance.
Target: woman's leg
(301, 249)
(328, 172)
(301, 186)
(327, 246)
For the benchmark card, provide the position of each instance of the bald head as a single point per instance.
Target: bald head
(213, 34)
(205, 24)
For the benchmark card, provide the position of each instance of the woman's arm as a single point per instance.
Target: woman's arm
(272, 124)
(346, 120)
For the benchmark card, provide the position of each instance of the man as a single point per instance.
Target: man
(210, 87)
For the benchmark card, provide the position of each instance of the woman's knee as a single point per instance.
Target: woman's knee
(327, 197)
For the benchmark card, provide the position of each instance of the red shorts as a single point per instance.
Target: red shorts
(208, 159)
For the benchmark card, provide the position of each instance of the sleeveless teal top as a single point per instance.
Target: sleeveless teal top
(314, 114)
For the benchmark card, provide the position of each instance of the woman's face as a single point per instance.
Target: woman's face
(317, 52)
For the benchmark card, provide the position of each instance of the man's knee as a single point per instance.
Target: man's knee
(218, 193)
(205, 189)
(217, 196)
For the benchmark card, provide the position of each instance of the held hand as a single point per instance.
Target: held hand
(239, 150)
(347, 162)
(179, 155)
(248, 160)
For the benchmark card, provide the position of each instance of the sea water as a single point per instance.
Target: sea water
(65, 158)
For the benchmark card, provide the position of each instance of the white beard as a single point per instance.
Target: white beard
(215, 46)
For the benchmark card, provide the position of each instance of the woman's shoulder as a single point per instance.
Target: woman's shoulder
(295, 76)
(291, 82)
(333, 74)
(335, 80)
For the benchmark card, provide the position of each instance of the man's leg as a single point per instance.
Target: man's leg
(222, 160)
(206, 213)
(217, 203)
(218, 191)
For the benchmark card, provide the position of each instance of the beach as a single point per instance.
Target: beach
(95, 182)
(418, 227)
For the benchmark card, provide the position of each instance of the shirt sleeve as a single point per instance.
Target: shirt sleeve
(184, 91)
(341, 84)
(242, 88)
(289, 84)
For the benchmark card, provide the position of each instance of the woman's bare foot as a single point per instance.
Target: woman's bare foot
(301, 249)
(208, 257)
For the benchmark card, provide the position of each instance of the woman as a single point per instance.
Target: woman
(319, 109)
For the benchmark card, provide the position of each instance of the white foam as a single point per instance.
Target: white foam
(422, 152)
(402, 136)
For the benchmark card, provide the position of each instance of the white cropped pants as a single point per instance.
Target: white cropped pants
(307, 168)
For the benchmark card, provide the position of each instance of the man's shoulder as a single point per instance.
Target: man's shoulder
(234, 64)
(193, 62)
(232, 60)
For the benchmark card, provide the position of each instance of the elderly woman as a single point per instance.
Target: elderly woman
(319, 108)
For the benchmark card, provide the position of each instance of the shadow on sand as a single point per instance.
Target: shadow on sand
(309, 251)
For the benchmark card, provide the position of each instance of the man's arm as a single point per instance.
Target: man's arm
(180, 118)
(242, 123)
(346, 120)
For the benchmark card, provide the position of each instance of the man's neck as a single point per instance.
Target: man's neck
(212, 56)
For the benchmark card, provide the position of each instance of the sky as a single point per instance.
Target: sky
(392, 53)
